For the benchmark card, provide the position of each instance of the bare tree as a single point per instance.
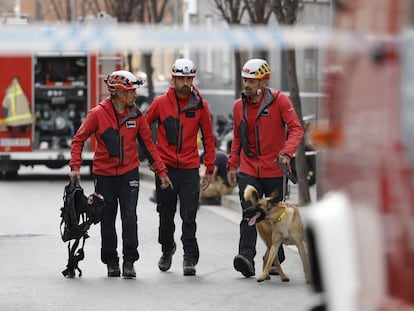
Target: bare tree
(155, 11)
(286, 14)
(141, 11)
(232, 12)
(259, 13)
(126, 11)
(239, 12)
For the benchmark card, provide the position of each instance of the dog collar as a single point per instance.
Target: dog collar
(282, 215)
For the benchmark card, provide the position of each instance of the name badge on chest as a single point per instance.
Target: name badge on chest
(131, 124)
(265, 112)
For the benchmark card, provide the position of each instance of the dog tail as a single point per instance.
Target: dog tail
(251, 194)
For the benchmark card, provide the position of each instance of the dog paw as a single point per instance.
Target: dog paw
(262, 277)
(285, 280)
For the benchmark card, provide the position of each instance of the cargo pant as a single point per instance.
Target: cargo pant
(187, 189)
(123, 189)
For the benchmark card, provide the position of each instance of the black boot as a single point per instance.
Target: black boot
(166, 259)
(244, 265)
(188, 268)
(128, 271)
(113, 269)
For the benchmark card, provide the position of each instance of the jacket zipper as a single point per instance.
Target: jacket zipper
(180, 140)
(121, 154)
(256, 129)
(179, 134)
(258, 140)
(122, 151)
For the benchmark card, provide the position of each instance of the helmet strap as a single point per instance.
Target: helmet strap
(123, 100)
(122, 96)
(119, 103)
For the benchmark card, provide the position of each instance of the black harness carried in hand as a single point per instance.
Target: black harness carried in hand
(77, 215)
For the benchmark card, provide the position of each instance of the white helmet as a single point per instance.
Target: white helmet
(183, 67)
(122, 80)
(256, 69)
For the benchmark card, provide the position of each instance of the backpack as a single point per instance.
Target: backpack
(77, 215)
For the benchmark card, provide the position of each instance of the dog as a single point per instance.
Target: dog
(277, 222)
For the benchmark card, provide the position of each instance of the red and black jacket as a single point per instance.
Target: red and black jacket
(178, 125)
(259, 139)
(116, 150)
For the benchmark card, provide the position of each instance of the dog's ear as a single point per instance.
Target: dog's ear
(251, 194)
(276, 197)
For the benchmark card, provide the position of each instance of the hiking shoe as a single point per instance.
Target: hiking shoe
(244, 265)
(166, 259)
(188, 268)
(128, 271)
(113, 269)
(70, 274)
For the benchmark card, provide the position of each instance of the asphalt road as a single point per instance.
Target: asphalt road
(32, 256)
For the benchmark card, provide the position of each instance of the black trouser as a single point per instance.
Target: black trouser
(123, 189)
(248, 234)
(187, 188)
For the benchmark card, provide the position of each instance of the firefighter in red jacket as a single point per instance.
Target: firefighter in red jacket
(181, 113)
(117, 125)
(261, 116)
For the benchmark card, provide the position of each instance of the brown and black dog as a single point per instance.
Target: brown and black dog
(277, 222)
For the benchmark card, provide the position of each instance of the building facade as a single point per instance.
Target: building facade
(216, 67)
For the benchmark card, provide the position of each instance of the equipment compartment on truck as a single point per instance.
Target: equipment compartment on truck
(46, 96)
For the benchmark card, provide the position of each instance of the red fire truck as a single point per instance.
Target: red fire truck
(53, 91)
(361, 232)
